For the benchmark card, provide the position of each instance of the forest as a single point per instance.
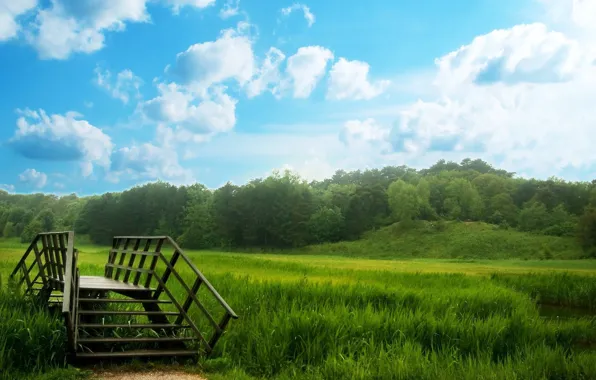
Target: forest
(286, 211)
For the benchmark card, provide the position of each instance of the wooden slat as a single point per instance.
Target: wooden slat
(142, 263)
(103, 283)
(222, 326)
(195, 288)
(154, 261)
(167, 272)
(136, 340)
(39, 263)
(132, 325)
(133, 257)
(128, 269)
(122, 257)
(190, 294)
(205, 281)
(140, 253)
(136, 353)
(126, 312)
(186, 317)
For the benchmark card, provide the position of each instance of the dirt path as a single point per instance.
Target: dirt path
(149, 375)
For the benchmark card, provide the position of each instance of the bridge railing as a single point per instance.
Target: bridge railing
(71, 293)
(42, 267)
(168, 273)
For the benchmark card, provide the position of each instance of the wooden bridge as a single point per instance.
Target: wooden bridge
(138, 308)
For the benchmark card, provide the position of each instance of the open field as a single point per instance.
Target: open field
(329, 317)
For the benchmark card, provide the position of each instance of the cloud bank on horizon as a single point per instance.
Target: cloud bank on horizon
(105, 95)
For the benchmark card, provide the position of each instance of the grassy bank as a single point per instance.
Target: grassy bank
(328, 317)
(453, 240)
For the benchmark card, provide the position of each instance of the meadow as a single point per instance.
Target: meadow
(324, 316)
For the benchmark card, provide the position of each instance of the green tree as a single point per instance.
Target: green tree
(326, 225)
(533, 217)
(404, 201)
(462, 200)
(587, 231)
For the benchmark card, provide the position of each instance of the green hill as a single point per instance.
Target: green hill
(457, 240)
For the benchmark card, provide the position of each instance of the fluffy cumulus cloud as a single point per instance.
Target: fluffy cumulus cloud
(305, 69)
(349, 80)
(175, 105)
(268, 76)
(364, 131)
(148, 161)
(61, 138)
(308, 15)
(10, 11)
(6, 187)
(63, 27)
(72, 26)
(33, 178)
(229, 57)
(522, 96)
(123, 87)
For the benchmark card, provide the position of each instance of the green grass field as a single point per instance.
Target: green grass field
(325, 316)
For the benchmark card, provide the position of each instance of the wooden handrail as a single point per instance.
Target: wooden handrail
(69, 300)
(198, 273)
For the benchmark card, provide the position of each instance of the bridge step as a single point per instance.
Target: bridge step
(132, 325)
(122, 300)
(136, 340)
(136, 353)
(128, 312)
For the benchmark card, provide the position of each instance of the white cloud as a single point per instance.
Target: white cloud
(10, 11)
(126, 84)
(61, 138)
(229, 57)
(177, 4)
(520, 96)
(349, 80)
(33, 178)
(268, 76)
(308, 16)
(306, 68)
(148, 161)
(78, 26)
(367, 131)
(231, 8)
(523, 54)
(175, 105)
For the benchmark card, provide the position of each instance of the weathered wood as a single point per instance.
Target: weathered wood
(167, 273)
(142, 263)
(195, 288)
(154, 261)
(207, 283)
(131, 262)
(102, 283)
(222, 326)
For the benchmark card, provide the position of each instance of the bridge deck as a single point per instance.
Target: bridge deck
(103, 283)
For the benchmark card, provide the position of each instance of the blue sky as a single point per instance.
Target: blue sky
(100, 96)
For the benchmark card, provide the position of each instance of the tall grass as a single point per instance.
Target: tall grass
(317, 322)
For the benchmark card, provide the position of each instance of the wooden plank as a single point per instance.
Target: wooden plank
(136, 353)
(191, 295)
(167, 272)
(112, 257)
(103, 283)
(142, 263)
(137, 340)
(186, 317)
(132, 326)
(44, 243)
(39, 264)
(207, 283)
(24, 258)
(126, 312)
(222, 326)
(57, 254)
(195, 288)
(131, 262)
(140, 253)
(154, 261)
(139, 270)
(122, 257)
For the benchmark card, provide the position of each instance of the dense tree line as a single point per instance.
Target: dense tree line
(284, 211)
